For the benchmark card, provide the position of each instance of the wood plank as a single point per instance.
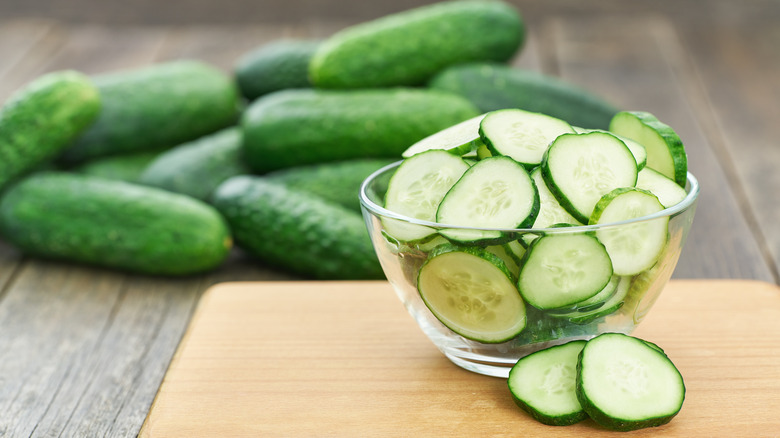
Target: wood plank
(249, 366)
(603, 55)
(740, 72)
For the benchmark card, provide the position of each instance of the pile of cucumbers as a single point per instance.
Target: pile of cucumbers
(163, 169)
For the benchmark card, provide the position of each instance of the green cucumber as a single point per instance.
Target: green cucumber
(128, 167)
(113, 224)
(623, 383)
(154, 107)
(524, 136)
(560, 270)
(471, 292)
(409, 47)
(197, 167)
(494, 86)
(275, 66)
(581, 168)
(416, 190)
(296, 231)
(496, 192)
(298, 127)
(458, 139)
(42, 118)
(665, 150)
(633, 247)
(337, 182)
(544, 384)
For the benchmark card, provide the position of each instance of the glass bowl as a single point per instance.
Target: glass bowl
(626, 305)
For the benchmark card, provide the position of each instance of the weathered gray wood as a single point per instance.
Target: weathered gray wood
(627, 60)
(739, 67)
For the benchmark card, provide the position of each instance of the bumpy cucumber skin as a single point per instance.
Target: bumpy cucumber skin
(42, 118)
(155, 107)
(673, 141)
(128, 167)
(560, 420)
(296, 231)
(276, 66)
(337, 182)
(198, 167)
(492, 86)
(607, 421)
(409, 47)
(113, 224)
(298, 127)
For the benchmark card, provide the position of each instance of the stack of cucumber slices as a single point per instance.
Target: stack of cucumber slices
(535, 230)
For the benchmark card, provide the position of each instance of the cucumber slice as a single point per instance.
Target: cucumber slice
(635, 247)
(560, 270)
(550, 211)
(665, 150)
(471, 292)
(544, 384)
(497, 192)
(591, 303)
(416, 189)
(625, 384)
(483, 152)
(637, 150)
(458, 139)
(586, 315)
(507, 257)
(521, 135)
(667, 191)
(581, 168)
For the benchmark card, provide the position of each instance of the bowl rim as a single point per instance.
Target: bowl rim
(692, 189)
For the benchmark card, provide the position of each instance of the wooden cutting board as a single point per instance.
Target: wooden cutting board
(345, 359)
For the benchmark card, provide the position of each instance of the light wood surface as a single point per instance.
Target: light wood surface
(345, 359)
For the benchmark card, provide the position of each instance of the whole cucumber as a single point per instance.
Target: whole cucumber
(112, 224)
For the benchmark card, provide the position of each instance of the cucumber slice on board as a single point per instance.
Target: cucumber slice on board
(667, 191)
(560, 270)
(496, 192)
(458, 139)
(635, 247)
(472, 293)
(623, 383)
(521, 135)
(581, 168)
(665, 150)
(544, 384)
(416, 189)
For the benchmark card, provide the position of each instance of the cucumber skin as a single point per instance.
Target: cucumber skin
(337, 182)
(562, 420)
(198, 167)
(409, 47)
(492, 86)
(298, 127)
(156, 107)
(276, 66)
(128, 167)
(42, 118)
(113, 224)
(605, 420)
(296, 231)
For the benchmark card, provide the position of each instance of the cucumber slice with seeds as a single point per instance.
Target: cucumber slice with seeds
(416, 189)
(521, 135)
(637, 150)
(581, 168)
(496, 192)
(624, 383)
(550, 211)
(665, 151)
(560, 270)
(458, 139)
(633, 247)
(667, 191)
(544, 384)
(471, 292)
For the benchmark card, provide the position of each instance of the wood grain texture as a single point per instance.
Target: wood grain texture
(345, 359)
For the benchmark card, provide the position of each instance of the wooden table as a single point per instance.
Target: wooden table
(83, 351)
